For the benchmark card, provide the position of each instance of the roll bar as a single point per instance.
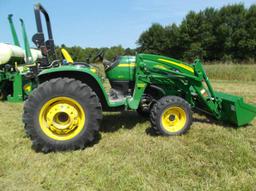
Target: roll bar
(47, 46)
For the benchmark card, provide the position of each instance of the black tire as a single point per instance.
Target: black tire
(161, 106)
(62, 87)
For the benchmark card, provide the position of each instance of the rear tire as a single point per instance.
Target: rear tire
(171, 116)
(62, 114)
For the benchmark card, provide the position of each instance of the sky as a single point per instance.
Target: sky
(101, 23)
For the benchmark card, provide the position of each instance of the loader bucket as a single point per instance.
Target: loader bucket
(235, 111)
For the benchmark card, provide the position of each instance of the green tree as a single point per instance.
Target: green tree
(172, 45)
(114, 51)
(228, 33)
(250, 25)
(153, 40)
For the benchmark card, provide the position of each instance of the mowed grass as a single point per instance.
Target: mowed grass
(128, 157)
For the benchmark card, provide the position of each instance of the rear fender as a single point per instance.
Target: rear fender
(82, 73)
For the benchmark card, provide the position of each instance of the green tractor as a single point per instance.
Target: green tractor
(65, 110)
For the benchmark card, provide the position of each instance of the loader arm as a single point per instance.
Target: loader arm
(46, 46)
(191, 82)
(151, 69)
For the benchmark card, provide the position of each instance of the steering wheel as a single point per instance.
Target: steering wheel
(100, 55)
(106, 64)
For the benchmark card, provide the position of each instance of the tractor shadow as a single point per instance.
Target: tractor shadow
(206, 120)
(212, 121)
(112, 122)
(152, 132)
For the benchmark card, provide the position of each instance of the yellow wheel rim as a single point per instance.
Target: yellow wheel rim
(173, 119)
(62, 118)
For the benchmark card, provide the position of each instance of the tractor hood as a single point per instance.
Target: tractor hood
(122, 69)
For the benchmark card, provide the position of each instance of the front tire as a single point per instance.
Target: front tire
(62, 114)
(171, 116)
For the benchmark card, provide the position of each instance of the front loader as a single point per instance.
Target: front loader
(65, 111)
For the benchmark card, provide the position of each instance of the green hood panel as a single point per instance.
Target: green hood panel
(123, 69)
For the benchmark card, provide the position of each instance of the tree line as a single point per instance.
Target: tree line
(87, 54)
(228, 33)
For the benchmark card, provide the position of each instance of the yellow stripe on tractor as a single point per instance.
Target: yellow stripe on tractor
(178, 64)
(126, 65)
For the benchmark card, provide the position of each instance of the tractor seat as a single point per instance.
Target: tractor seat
(67, 56)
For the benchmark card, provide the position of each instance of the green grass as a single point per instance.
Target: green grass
(231, 72)
(127, 157)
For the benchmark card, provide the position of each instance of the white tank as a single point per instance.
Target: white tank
(36, 54)
(8, 51)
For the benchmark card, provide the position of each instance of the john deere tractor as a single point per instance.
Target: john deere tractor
(65, 110)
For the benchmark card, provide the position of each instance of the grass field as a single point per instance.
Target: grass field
(128, 157)
(246, 72)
